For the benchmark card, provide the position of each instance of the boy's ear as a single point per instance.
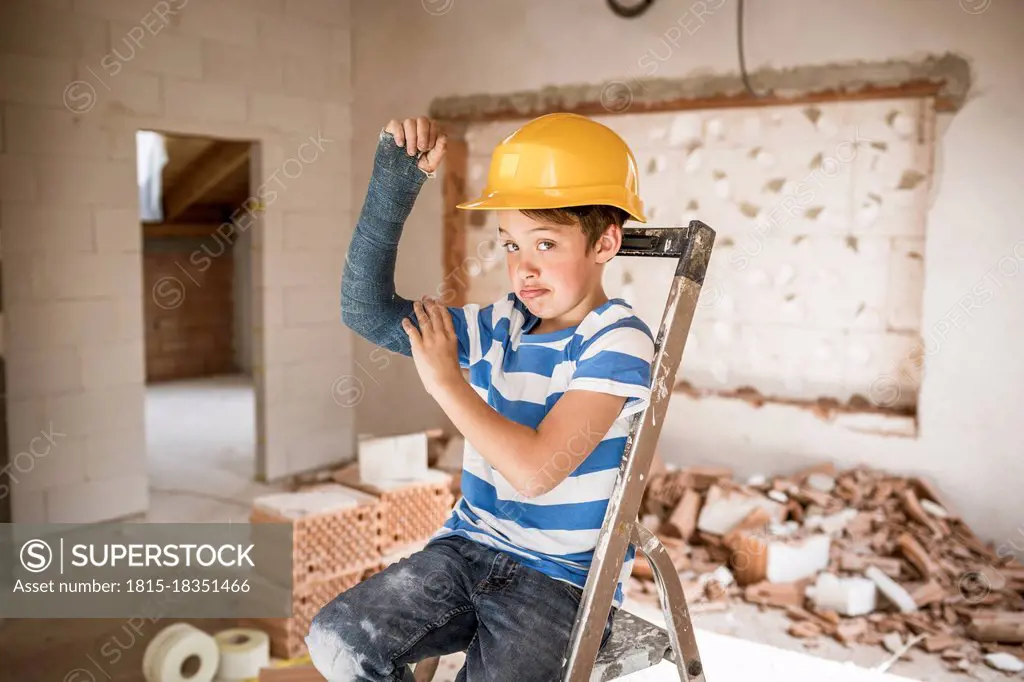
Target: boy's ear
(608, 244)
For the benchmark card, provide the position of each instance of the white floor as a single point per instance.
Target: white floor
(732, 659)
(201, 440)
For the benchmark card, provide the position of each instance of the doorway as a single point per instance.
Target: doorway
(197, 217)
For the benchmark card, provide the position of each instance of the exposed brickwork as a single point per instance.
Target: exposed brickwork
(188, 335)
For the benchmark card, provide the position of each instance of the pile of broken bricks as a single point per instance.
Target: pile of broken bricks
(861, 556)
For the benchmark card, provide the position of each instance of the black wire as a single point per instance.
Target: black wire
(630, 12)
(739, 42)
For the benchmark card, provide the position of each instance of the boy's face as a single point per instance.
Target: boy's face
(549, 266)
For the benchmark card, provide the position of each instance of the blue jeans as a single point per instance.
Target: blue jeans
(513, 622)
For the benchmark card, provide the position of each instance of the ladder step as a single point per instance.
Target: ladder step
(634, 645)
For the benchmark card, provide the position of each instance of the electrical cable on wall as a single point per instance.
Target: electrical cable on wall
(630, 11)
(739, 43)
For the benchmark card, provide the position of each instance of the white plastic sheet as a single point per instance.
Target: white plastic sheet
(151, 156)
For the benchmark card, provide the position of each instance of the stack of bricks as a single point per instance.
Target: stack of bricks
(413, 509)
(337, 535)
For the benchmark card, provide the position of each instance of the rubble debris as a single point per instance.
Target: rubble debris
(851, 630)
(858, 563)
(898, 652)
(714, 590)
(724, 509)
(914, 510)
(788, 562)
(777, 559)
(892, 590)
(804, 628)
(832, 523)
(786, 594)
(1005, 662)
(716, 583)
(683, 520)
(917, 556)
(859, 555)
(997, 626)
(928, 593)
(934, 509)
(893, 642)
(822, 482)
(651, 522)
(934, 643)
(847, 596)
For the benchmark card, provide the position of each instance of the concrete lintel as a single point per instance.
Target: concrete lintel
(946, 78)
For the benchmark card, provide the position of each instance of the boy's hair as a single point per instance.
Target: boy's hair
(593, 220)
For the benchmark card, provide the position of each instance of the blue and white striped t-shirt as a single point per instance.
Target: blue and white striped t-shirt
(522, 375)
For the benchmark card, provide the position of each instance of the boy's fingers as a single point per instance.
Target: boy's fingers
(421, 316)
(410, 331)
(436, 315)
(449, 326)
(434, 131)
(435, 155)
(395, 128)
(407, 326)
(410, 136)
(422, 134)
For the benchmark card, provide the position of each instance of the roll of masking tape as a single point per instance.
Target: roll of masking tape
(181, 653)
(243, 652)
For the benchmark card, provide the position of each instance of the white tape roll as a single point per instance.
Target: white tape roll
(181, 653)
(243, 652)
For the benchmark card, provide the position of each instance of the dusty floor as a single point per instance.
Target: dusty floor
(727, 644)
(201, 438)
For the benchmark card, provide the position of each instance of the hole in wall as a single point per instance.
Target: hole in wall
(791, 198)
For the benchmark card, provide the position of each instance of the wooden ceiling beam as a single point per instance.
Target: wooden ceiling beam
(202, 176)
(178, 230)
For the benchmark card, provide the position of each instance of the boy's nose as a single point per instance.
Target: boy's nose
(526, 269)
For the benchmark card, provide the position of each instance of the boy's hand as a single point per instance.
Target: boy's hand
(435, 346)
(420, 135)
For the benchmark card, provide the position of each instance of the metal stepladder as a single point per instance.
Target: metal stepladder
(636, 644)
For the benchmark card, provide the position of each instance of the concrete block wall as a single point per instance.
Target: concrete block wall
(78, 78)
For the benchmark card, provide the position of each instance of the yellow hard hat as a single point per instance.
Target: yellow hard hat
(561, 160)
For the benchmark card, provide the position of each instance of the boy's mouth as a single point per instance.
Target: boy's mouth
(531, 293)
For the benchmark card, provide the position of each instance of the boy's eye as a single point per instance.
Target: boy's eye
(509, 246)
(545, 245)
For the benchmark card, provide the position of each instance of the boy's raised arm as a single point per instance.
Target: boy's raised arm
(408, 152)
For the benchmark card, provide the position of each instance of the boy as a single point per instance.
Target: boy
(556, 373)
